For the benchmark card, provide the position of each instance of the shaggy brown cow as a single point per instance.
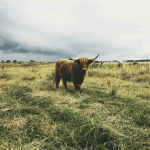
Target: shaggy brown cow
(73, 70)
(120, 65)
(135, 62)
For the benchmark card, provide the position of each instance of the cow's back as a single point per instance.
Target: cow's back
(64, 68)
(60, 62)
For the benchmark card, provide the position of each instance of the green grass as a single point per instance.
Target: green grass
(111, 111)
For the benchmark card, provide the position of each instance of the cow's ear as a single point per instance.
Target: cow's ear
(77, 61)
(90, 61)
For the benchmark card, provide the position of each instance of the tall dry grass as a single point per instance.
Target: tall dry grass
(111, 111)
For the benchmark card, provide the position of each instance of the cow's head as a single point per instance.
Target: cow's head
(83, 63)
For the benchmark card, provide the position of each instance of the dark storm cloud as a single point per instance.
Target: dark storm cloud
(11, 47)
(75, 48)
(7, 44)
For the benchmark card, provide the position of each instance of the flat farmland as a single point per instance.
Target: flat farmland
(110, 112)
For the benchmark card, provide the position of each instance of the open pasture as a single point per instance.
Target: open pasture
(111, 111)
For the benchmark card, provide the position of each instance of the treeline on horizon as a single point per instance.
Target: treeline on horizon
(15, 61)
(141, 60)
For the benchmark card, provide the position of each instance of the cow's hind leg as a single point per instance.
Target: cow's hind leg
(65, 83)
(57, 79)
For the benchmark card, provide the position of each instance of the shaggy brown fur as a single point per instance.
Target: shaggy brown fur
(74, 70)
(120, 65)
(135, 63)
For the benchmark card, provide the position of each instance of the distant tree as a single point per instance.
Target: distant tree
(8, 61)
(32, 61)
(19, 62)
(94, 61)
(101, 62)
(115, 60)
(2, 61)
(14, 61)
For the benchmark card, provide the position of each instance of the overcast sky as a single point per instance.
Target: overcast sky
(46, 30)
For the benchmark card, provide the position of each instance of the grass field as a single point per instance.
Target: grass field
(111, 111)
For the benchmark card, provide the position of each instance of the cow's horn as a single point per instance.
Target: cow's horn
(96, 56)
(71, 58)
(93, 58)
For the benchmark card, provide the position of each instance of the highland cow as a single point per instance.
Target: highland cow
(120, 65)
(74, 70)
(135, 62)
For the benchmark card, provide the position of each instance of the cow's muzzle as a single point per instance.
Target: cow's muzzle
(84, 69)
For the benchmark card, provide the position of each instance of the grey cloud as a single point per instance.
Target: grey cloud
(11, 47)
(75, 47)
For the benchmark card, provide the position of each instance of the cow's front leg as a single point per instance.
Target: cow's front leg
(65, 83)
(77, 86)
